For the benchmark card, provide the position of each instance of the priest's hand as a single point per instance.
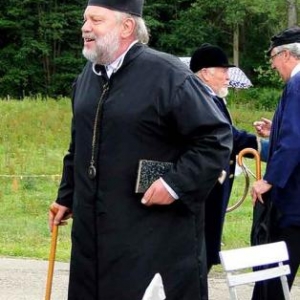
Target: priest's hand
(58, 214)
(157, 194)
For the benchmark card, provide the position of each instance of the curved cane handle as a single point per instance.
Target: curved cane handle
(256, 155)
(241, 154)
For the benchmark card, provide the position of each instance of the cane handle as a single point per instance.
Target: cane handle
(256, 155)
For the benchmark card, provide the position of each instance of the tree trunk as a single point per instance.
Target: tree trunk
(292, 12)
(236, 44)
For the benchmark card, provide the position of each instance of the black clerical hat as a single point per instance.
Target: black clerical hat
(288, 36)
(209, 56)
(133, 7)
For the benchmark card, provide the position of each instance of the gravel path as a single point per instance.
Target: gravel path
(25, 279)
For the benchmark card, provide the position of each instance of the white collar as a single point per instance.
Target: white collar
(115, 65)
(210, 90)
(296, 70)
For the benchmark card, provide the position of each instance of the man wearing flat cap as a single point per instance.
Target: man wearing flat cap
(210, 64)
(133, 103)
(281, 181)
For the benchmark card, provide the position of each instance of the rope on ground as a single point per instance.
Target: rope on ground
(28, 176)
(16, 178)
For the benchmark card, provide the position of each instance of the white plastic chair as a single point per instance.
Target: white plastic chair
(236, 263)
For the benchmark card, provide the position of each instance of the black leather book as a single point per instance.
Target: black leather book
(148, 172)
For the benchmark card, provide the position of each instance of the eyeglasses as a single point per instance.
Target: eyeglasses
(274, 55)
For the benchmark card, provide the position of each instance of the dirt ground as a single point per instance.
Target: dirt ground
(25, 279)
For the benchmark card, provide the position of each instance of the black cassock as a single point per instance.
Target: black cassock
(217, 201)
(154, 109)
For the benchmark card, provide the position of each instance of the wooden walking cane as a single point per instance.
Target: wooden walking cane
(51, 258)
(263, 213)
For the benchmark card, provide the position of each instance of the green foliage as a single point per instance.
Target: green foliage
(255, 98)
(40, 41)
(267, 77)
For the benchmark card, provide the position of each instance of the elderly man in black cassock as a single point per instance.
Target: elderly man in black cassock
(210, 64)
(130, 103)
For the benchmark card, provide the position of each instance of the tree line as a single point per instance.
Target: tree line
(40, 40)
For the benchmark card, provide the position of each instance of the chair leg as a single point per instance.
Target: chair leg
(233, 294)
(285, 287)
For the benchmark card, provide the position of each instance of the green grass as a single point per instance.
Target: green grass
(24, 230)
(34, 137)
(238, 222)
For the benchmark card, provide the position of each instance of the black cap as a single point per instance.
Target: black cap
(288, 36)
(132, 7)
(209, 56)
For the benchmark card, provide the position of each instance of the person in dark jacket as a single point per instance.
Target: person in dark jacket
(130, 103)
(281, 181)
(210, 64)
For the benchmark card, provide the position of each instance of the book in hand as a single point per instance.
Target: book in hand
(148, 172)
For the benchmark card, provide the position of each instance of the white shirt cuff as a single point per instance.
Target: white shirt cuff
(169, 189)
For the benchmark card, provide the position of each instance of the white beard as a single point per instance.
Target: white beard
(223, 92)
(106, 48)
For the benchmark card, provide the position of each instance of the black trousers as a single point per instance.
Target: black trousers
(272, 289)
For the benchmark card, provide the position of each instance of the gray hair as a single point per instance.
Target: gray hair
(140, 31)
(294, 49)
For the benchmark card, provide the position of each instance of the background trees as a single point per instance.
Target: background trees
(40, 40)
(40, 46)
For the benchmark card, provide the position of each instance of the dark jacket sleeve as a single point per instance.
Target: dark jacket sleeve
(65, 191)
(66, 188)
(242, 139)
(264, 149)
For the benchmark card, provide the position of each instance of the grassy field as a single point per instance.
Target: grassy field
(34, 136)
